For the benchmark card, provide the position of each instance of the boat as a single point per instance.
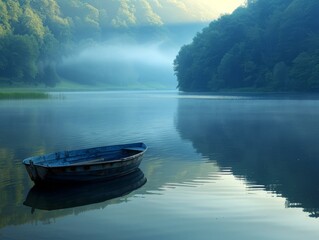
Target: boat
(85, 165)
(62, 197)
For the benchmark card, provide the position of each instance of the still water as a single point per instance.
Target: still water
(217, 167)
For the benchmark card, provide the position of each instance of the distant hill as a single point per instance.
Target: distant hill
(36, 34)
(268, 45)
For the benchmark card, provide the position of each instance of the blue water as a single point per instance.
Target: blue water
(218, 166)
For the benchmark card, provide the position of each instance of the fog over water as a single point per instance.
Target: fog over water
(122, 63)
(129, 62)
(122, 52)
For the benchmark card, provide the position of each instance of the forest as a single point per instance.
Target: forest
(35, 35)
(266, 45)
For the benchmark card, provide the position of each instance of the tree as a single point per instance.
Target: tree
(304, 73)
(20, 54)
(32, 24)
(4, 19)
(280, 76)
(269, 44)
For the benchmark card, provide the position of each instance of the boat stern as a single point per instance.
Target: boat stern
(36, 173)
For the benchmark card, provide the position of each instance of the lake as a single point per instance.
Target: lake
(231, 166)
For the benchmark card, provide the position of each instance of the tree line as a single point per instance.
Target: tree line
(266, 45)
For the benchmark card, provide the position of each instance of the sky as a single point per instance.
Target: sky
(225, 6)
(181, 11)
(212, 8)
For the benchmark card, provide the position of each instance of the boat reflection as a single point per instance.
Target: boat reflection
(75, 196)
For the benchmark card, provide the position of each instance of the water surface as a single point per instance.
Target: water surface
(217, 167)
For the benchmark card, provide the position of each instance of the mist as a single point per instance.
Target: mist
(123, 63)
(149, 54)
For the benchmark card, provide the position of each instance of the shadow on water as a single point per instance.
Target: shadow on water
(270, 142)
(56, 197)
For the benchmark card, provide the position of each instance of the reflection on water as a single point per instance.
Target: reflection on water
(79, 195)
(79, 120)
(270, 143)
(217, 166)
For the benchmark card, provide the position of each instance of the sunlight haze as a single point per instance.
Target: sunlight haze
(226, 6)
(180, 11)
(221, 7)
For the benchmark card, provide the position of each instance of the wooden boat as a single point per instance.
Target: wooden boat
(61, 197)
(85, 165)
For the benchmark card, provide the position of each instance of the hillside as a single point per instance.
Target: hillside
(268, 45)
(35, 35)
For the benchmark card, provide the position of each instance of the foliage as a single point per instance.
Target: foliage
(19, 54)
(268, 44)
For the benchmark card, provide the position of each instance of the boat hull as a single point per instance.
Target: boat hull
(42, 172)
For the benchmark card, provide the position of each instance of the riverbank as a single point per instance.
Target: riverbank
(23, 95)
(69, 86)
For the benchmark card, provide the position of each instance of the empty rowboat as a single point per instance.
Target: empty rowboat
(85, 165)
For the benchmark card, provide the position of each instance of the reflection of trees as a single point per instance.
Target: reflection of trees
(13, 186)
(267, 142)
(23, 134)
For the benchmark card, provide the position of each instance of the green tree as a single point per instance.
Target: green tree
(14, 10)
(269, 44)
(51, 16)
(20, 54)
(280, 76)
(5, 27)
(304, 73)
(32, 24)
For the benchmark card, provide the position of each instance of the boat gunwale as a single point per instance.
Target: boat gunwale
(88, 163)
(27, 161)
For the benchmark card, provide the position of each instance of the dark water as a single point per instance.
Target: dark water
(218, 167)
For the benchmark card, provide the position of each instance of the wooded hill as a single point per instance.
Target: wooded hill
(36, 34)
(268, 45)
